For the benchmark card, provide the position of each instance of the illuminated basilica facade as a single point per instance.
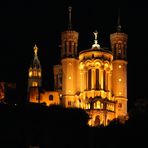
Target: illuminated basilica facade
(94, 79)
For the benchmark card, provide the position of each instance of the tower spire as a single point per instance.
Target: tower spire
(69, 40)
(69, 23)
(118, 22)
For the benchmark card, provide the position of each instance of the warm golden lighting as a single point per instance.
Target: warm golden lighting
(97, 105)
(106, 65)
(88, 106)
(39, 74)
(34, 73)
(94, 79)
(35, 50)
(34, 84)
(110, 107)
(119, 79)
(81, 66)
(30, 73)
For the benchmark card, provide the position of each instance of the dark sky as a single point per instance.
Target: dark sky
(25, 23)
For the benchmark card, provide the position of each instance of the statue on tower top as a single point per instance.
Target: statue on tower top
(96, 34)
(96, 41)
(35, 50)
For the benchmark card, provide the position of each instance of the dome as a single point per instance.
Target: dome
(96, 49)
(96, 53)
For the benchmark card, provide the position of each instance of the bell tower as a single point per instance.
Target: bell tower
(119, 74)
(69, 42)
(34, 78)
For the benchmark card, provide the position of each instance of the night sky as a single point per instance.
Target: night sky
(25, 23)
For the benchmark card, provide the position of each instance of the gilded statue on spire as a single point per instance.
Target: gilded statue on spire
(96, 41)
(96, 34)
(35, 50)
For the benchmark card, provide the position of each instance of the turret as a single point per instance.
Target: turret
(119, 74)
(69, 39)
(34, 78)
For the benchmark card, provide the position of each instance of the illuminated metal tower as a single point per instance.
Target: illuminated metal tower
(69, 39)
(119, 74)
(34, 79)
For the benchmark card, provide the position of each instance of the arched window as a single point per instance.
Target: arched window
(97, 121)
(114, 50)
(98, 104)
(97, 79)
(34, 73)
(89, 79)
(39, 74)
(75, 50)
(56, 81)
(51, 97)
(70, 46)
(104, 80)
(34, 84)
(30, 73)
(65, 47)
(119, 51)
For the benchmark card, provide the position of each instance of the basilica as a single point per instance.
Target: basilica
(94, 79)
